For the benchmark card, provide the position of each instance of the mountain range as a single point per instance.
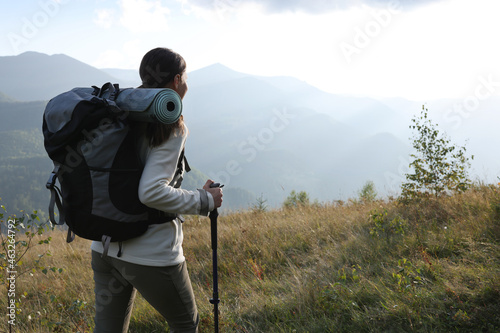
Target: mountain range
(261, 136)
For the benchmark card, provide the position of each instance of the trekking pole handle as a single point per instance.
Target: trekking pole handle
(213, 218)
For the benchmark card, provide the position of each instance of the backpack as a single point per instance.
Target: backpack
(93, 144)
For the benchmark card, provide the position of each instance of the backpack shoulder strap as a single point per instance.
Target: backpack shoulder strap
(186, 164)
(182, 165)
(158, 216)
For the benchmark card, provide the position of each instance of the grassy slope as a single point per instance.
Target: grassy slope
(374, 267)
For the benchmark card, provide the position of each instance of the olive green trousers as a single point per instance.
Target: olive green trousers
(167, 289)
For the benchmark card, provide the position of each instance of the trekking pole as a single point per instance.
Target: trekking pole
(215, 297)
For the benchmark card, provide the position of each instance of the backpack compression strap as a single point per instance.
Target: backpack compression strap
(55, 197)
(55, 200)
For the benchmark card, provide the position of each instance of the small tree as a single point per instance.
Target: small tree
(439, 167)
(260, 206)
(368, 192)
(297, 199)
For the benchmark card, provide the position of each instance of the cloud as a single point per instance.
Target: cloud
(105, 18)
(125, 56)
(141, 16)
(137, 16)
(109, 59)
(309, 6)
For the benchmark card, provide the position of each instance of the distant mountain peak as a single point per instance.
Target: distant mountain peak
(40, 54)
(219, 68)
(32, 53)
(48, 58)
(215, 65)
(214, 73)
(43, 76)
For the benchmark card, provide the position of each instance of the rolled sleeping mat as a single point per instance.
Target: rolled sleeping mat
(151, 105)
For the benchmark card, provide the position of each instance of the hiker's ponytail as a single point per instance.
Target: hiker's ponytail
(158, 69)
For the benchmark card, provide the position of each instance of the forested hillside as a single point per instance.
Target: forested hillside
(23, 162)
(20, 115)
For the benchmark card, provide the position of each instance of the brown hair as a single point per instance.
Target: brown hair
(158, 69)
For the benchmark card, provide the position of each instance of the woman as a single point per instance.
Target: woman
(153, 263)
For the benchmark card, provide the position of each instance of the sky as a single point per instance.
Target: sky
(413, 49)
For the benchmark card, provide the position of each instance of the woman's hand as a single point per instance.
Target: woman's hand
(216, 193)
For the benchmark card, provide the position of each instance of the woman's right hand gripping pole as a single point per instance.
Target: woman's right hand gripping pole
(215, 191)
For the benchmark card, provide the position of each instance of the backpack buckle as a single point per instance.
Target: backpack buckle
(51, 182)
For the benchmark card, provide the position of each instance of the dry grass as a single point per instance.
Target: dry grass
(432, 267)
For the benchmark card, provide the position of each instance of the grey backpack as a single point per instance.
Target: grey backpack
(93, 145)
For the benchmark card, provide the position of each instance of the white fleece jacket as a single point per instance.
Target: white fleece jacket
(161, 245)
